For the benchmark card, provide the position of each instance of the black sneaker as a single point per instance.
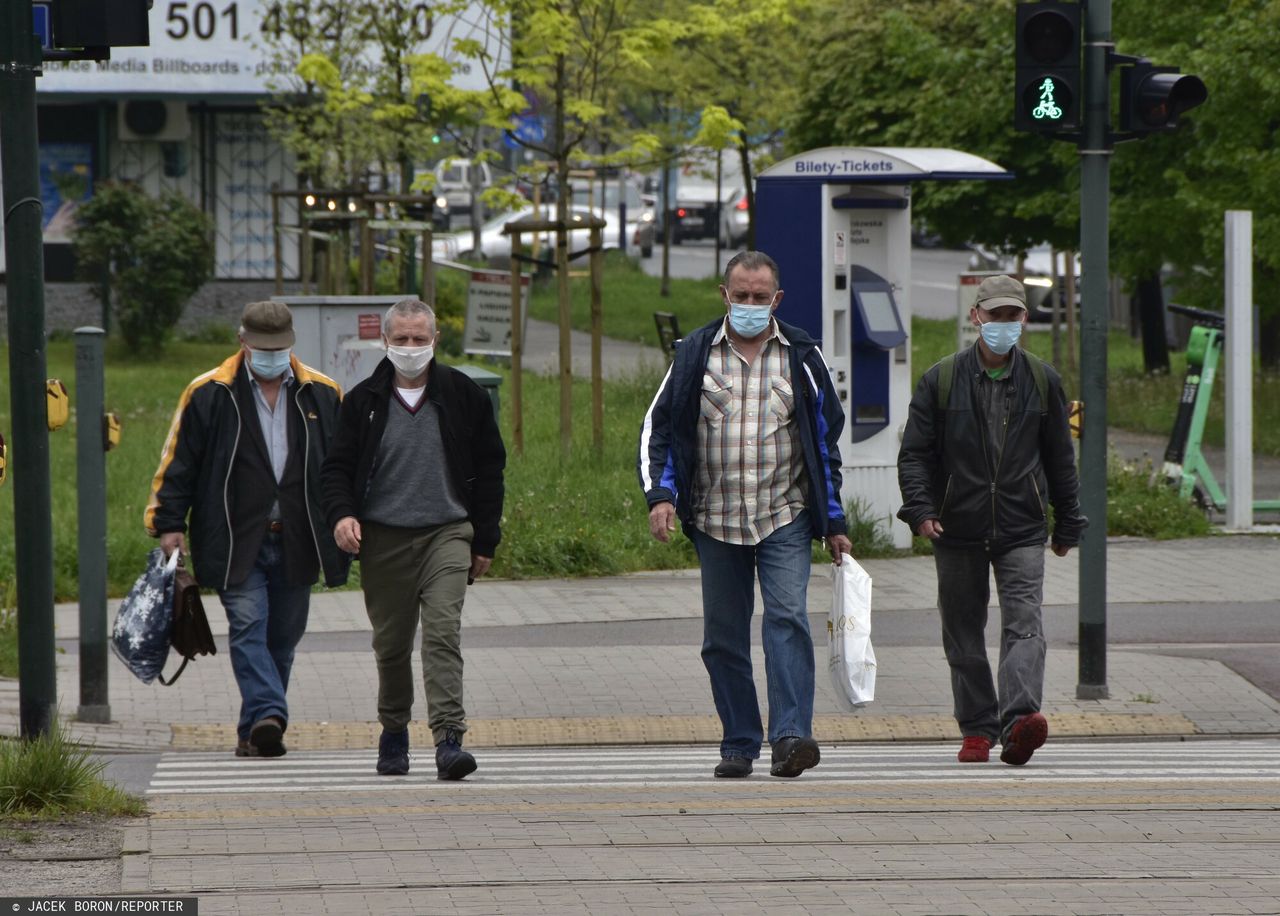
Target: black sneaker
(393, 753)
(452, 762)
(793, 755)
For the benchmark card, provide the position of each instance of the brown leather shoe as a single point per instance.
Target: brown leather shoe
(267, 737)
(243, 749)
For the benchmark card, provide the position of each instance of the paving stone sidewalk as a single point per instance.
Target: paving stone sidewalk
(641, 693)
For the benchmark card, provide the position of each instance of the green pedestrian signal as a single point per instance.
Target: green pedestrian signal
(1048, 100)
(1048, 54)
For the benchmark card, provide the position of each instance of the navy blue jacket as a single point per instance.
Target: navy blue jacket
(668, 459)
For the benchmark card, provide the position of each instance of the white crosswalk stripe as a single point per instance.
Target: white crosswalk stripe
(666, 766)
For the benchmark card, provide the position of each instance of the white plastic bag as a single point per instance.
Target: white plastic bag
(852, 660)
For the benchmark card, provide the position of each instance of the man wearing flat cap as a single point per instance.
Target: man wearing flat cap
(240, 473)
(986, 450)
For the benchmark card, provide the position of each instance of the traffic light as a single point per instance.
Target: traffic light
(1153, 98)
(1048, 86)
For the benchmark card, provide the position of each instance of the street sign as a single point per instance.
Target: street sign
(42, 21)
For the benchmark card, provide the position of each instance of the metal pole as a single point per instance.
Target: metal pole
(276, 251)
(1239, 320)
(91, 508)
(517, 343)
(1095, 191)
(32, 505)
(597, 334)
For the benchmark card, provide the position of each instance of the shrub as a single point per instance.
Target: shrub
(148, 255)
(1141, 505)
(50, 774)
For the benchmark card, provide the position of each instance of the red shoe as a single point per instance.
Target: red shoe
(976, 749)
(1027, 734)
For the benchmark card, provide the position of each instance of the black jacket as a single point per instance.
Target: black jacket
(668, 458)
(215, 467)
(472, 444)
(946, 471)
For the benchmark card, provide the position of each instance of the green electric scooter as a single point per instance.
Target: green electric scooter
(1184, 463)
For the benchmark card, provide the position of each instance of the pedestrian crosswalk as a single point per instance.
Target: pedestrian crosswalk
(667, 766)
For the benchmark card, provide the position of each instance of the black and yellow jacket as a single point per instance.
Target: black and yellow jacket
(215, 466)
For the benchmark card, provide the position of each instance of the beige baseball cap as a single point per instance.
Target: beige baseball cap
(993, 292)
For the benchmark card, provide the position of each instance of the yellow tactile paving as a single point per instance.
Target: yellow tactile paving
(601, 730)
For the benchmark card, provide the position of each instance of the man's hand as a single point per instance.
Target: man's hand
(173, 540)
(479, 566)
(930, 528)
(839, 545)
(1060, 550)
(662, 521)
(347, 534)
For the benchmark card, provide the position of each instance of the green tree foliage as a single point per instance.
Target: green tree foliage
(148, 255)
(940, 73)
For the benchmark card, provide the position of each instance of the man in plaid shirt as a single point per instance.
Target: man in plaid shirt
(741, 444)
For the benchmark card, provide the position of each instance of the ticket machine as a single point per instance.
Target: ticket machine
(838, 223)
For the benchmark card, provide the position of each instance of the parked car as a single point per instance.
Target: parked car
(696, 215)
(641, 218)
(1037, 277)
(456, 180)
(495, 246)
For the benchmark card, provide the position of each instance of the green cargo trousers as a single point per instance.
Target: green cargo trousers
(407, 573)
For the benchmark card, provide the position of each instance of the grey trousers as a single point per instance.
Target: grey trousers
(409, 574)
(963, 595)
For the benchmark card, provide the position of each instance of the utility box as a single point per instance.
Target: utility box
(340, 335)
(838, 223)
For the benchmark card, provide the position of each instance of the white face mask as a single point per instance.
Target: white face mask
(410, 361)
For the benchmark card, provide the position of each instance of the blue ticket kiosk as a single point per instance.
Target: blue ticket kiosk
(838, 222)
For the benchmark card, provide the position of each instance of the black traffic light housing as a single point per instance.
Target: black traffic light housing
(1048, 89)
(1152, 98)
(100, 23)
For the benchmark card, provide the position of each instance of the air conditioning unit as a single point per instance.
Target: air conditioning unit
(151, 119)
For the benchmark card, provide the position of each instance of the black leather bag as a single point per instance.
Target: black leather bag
(190, 635)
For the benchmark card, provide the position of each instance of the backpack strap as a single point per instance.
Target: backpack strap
(946, 375)
(1042, 383)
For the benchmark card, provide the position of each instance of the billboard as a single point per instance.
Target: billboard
(219, 47)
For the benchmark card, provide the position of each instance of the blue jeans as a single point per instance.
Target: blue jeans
(266, 618)
(782, 561)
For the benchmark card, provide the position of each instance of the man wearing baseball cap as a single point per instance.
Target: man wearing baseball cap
(242, 460)
(985, 451)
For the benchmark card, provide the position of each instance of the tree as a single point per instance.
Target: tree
(939, 73)
(573, 56)
(148, 256)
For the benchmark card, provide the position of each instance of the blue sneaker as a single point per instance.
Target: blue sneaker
(452, 762)
(393, 753)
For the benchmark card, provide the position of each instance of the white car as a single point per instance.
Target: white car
(495, 245)
(1037, 276)
(641, 220)
(454, 178)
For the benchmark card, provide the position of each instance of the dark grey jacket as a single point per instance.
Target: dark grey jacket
(946, 470)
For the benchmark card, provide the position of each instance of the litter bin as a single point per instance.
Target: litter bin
(490, 381)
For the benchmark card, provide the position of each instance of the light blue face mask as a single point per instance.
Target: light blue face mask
(1001, 335)
(749, 320)
(269, 364)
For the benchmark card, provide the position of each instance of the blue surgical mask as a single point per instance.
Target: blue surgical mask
(749, 320)
(1001, 335)
(269, 364)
